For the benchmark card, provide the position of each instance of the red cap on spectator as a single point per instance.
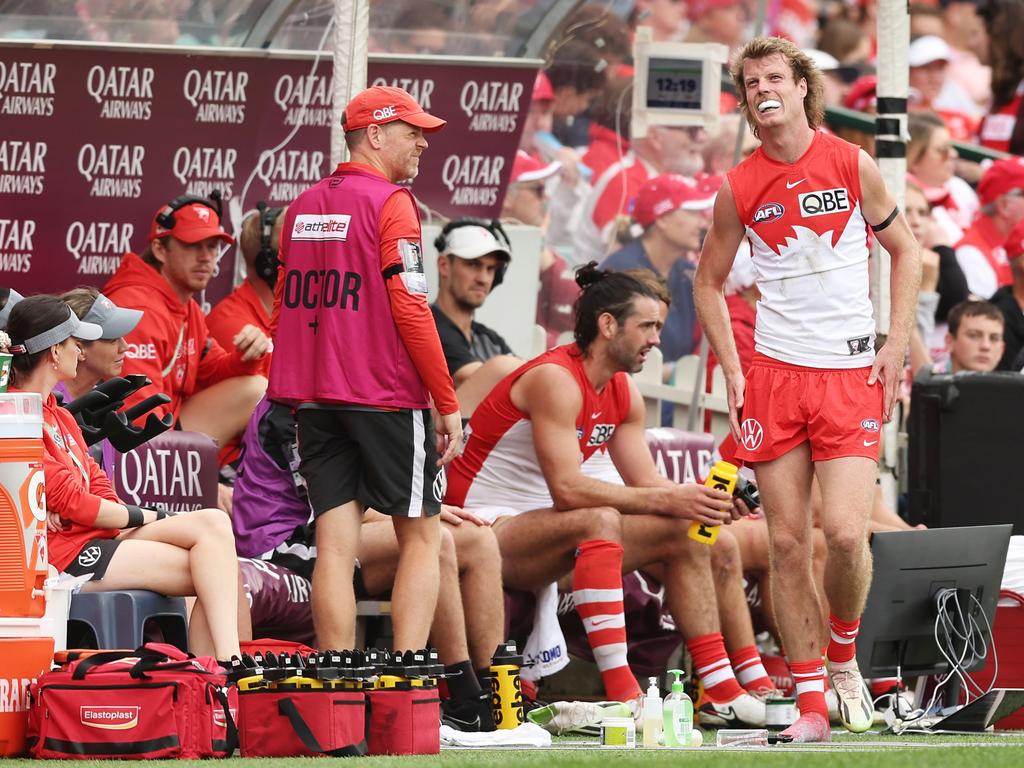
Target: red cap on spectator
(670, 192)
(1015, 241)
(542, 90)
(697, 8)
(1001, 177)
(192, 223)
(526, 168)
(863, 94)
(384, 104)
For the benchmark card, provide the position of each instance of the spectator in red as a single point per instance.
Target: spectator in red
(931, 88)
(538, 115)
(252, 301)
(212, 390)
(1003, 128)
(932, 159)
(716, 21)
(526, 203)
(665, 149)
(671, 213)
(964, 30)
(666, 19)
(981, 252)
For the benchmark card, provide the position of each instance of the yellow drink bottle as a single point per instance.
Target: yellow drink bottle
(723, 477)
(506, 688)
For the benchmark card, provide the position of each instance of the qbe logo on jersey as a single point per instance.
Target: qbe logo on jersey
(823, 202)
(327, 226)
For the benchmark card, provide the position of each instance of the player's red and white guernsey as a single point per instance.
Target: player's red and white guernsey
(498, 467)
(809, 244)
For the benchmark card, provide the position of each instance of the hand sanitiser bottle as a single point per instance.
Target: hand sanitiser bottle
(678, 715)
(652, 715)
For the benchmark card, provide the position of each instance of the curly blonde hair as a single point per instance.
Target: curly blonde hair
(803, 68)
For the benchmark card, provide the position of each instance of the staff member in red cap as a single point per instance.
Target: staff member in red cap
(212, 390)
(981, 253)
(362, 364)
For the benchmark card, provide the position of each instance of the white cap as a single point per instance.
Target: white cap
(823, 61)
(472, 242)
(927, 49)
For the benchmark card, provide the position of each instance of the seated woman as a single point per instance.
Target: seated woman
(103, 358)
(91, 533)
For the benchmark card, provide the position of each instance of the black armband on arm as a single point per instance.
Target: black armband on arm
(887, 222)
(135, 516)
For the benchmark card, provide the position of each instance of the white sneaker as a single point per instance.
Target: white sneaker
(576, 716)
(855, 710)
(743, 711)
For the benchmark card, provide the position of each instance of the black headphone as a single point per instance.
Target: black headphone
(166, 216)
(265, 264)
(493, 226)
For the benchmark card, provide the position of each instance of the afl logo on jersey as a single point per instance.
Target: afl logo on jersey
(769, 212)
(824, 202)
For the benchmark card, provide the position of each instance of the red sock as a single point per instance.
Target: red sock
(843, 646)
(711, 663)
(809, 677)
(883, 685)
(750, 671)
(597, 592)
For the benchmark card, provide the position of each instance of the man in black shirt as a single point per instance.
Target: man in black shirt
(473, 256)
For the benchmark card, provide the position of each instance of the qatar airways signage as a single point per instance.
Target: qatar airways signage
(94, 140)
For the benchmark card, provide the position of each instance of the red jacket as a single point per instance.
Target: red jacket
(171, 344)
(238, 309)
(75, 485)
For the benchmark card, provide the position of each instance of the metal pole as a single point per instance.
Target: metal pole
(891, 151)
(351, 33)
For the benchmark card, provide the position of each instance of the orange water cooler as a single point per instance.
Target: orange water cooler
(25, 649)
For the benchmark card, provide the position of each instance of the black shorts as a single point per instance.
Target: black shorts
(93, 559)
(297, 553)
(383, 459)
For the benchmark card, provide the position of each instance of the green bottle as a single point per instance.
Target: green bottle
(678, 714)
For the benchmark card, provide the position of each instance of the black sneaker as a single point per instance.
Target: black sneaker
(470, 715)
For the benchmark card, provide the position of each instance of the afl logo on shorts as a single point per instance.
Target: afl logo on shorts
(870, 425)
(752, 434)
(89, 556)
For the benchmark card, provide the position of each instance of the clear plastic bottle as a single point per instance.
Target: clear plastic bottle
(678, 714)
(652, 715)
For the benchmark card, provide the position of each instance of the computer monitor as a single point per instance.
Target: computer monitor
(897, 628)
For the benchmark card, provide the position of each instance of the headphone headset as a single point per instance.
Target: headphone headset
(265, 264)
(166, 217)
(493, 226)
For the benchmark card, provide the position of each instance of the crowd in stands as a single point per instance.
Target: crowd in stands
(603, 199)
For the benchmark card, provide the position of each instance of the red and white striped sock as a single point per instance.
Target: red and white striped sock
(809, 677)
(597, 592)
(750, 671)
(842, 646)
(711, 663)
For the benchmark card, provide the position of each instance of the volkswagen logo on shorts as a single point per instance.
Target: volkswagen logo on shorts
(89, 556)
(752, 434)
(440, 485)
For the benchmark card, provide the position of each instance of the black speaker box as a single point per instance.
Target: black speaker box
(966, 456)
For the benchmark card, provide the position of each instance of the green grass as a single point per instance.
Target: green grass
(846, 751)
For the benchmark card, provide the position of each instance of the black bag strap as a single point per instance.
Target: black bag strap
(231, 744)
(106, 657)
(286, 707)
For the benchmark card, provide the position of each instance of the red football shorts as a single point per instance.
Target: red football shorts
(833, 408)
